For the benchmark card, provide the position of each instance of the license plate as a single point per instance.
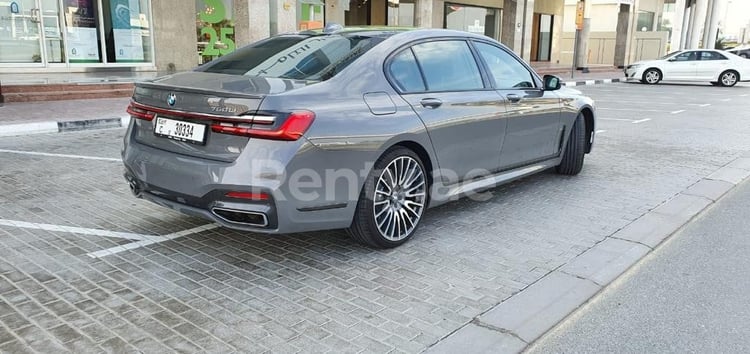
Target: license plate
(179, 130)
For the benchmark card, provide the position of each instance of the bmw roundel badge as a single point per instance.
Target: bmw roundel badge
(171, 99)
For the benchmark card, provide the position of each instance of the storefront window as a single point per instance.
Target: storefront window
(127, 30)
(215, 29)
(645, 21)
(401, 13)
(310, 14)
(82, 29)
(78, 32)
(481, 20)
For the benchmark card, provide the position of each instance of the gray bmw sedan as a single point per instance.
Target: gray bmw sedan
(355, 128)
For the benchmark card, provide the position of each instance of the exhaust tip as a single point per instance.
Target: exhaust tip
(133, 185)
(241, 217)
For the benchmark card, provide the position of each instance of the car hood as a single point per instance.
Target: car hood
(647, 62)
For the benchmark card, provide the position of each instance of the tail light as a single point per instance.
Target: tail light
(292, 128)
(140, 113)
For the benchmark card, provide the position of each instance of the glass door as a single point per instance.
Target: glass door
(20, 35)
(52, 34)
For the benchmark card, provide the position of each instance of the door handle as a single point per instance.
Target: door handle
(513, 98)
(431, 103)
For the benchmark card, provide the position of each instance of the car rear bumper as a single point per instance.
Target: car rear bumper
(198, 187)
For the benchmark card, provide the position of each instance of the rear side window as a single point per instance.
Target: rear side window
(448, 66)
(712, 56)
(405, 73)
(301, 57)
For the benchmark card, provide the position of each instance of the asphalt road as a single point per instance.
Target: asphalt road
(689, 296)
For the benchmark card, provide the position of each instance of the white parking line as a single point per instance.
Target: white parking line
(33, 153)
(134, 245)
(76, 230)
(617, 119)
(677, 112)
(704, 105)
(641, 121)
(630, 109)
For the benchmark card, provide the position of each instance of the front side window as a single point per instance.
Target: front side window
(687, 56)
(448, 66)
(299, 57)
(506, 70)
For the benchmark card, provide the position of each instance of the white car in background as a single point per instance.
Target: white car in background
(718, 67)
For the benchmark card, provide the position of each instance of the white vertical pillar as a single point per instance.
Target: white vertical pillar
(712, 25)
(687, 17)
(699, 10)
(528, 19)
(677, 25)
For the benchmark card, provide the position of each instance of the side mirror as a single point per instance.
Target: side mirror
(672, 59)
(551, 83)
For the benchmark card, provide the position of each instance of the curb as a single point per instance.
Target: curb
(521, 319)
(593, 82)
(63, 126)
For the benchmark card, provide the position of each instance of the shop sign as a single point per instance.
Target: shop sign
(128, 38)
(217, 34)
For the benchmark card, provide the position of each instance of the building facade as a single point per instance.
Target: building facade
(39, 36)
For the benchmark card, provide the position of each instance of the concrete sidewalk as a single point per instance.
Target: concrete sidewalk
(58, 116)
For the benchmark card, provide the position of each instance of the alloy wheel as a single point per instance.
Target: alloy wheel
(652, 77)
(400, 195)
(729, 78)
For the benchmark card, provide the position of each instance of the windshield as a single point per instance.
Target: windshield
(300, 57)
(670, 54)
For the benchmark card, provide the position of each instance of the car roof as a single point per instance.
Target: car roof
(387, 31)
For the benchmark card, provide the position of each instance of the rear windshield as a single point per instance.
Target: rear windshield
(300, 57)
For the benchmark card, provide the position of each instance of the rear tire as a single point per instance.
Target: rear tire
(651, 76)
(392, 200)
(575, 149)
(729, 78)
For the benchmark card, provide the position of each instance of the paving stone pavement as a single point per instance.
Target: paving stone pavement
(224, 291)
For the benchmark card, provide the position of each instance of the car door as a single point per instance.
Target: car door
(442, 82)
(533, 132)
(682, 66)
(710, 65)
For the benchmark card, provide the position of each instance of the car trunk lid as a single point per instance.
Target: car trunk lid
(198, 114)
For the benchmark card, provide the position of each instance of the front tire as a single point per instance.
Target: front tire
(392, 200)
(651, 76)
(729, 78)
(575, 149)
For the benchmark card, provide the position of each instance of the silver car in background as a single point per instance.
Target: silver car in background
(357, 128)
